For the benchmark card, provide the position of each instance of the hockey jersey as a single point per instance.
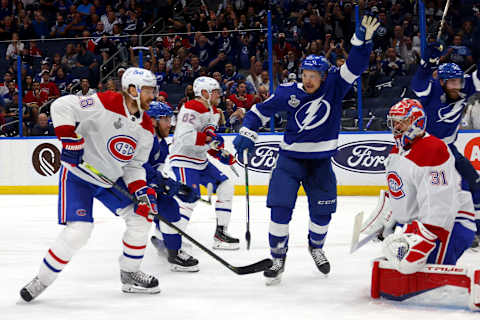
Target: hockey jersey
(424, 185)
(189, 148)
(313, 120)
(156, 160)
(443, 114)
(116, 143)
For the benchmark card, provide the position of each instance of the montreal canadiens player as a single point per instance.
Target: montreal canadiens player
(166, 238)
(111, 132)
(444, 100)
(194, 137)
(314, 110)
(435, 215)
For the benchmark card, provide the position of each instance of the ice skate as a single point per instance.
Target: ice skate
(32, 290)
(273, 274)
(223, 241)
(320, 259)
(138, 282)
(180, 261)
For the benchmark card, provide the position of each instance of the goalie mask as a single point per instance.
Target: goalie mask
(407, 120)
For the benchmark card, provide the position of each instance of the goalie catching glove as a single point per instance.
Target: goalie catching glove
(408, 248)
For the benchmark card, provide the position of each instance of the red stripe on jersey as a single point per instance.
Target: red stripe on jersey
(133, 247)
(201, 139)
(136, 185)
(57, 258)
(112, 101)
(182, 175)
(63, 196)
(65, 131)
(199, 107)
(147, 122)
(190, 158)
(429, 152)
(467, 213)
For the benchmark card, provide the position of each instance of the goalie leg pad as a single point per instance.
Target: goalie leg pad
(474, 300)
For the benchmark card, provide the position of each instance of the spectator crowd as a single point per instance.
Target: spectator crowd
(99, 40)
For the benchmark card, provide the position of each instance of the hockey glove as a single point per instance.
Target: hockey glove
(223, 156)
(217, 141)
(147, 202)
(187, 194)
(72, 150)
(432, 55)
(364, 32)
(408, 249)
(165, 186)
(245, 140)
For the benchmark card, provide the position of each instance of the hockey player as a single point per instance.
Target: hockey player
(194, 137)
(436, 217)
(166, 238)
(444, 100)
(314, 110)
(112, 132)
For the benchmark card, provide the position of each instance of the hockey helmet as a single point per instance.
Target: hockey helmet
(205, 83)
(450, 71)
(139, 78)
(410, 112)
(159, 109)
(315, 63)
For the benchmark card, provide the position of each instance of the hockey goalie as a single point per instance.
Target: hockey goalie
(425, 220)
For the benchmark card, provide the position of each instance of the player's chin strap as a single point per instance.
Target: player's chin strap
(252, 268)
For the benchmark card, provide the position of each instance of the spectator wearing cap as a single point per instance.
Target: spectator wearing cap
(48, 86)
(42, 127)
(85, 90)
(242, 99)
(392, 65)
(45, 67)
(458, 53)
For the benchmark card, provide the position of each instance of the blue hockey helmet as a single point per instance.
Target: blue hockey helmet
(159, 109)
(450, 71)
(315, 63)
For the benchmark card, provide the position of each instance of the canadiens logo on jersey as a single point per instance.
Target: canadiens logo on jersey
(395, 185)
(122, 147)
(312, 114)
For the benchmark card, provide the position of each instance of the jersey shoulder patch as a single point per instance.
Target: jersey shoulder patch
(196, 106)
(429, 152)
(112, 101)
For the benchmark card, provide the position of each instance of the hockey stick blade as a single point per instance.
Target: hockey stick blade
(253, 268)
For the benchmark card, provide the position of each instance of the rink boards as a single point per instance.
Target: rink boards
(31, 166)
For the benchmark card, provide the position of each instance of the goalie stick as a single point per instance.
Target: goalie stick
(357, 228)
(252, 268)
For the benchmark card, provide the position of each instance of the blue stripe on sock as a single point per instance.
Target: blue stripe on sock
(223, 209)
(49, 266)
(185, 217)
(132, 257)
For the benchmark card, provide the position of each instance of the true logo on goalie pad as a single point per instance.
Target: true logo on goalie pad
(395, 185)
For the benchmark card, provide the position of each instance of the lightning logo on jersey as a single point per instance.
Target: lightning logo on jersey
(451, 112)
(309, 116)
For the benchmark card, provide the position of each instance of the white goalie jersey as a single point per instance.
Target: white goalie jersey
(189, 148)
(116, 143)
(424, 185)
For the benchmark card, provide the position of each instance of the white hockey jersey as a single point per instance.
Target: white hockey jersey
(116, 143)
(188, 149)
(424, 185)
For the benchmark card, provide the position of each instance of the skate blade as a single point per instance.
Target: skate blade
(273, 281)
(128, 288)
(177, 268)
(217, 245)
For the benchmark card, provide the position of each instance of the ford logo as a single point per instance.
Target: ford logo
(366, 156)
(264, 157)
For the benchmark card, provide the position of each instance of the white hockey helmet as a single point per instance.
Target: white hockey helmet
(205, 83)
(137, 77)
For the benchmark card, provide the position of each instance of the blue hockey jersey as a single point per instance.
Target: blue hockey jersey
(157, 157)
(313, 120)
(443, 114)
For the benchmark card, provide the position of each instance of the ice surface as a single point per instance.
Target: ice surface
(89, 287)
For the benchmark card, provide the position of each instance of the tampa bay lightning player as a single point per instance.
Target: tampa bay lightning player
(444, 100)
(314, 110)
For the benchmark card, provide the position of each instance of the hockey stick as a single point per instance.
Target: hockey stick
(252, 268)
(247, 195)
(357, 228)
(444, 15)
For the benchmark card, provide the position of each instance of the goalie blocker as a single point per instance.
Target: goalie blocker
(389, 283)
